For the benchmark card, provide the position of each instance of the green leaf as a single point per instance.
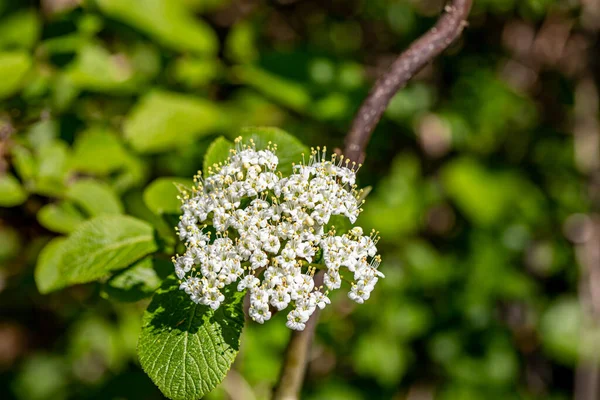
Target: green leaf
(43, 134)
(21, 29)
(196, 72)
(565, 336)
(47, 270)
(187, 348)
(102, 245)
(288, 93)
(62, 217)
(381, 357)
(161, 195)
(217, 152)
(42, 375)
(138, 281)
(341, 223)
(94, 197)
(167, 21)
(98, 151)
(249, 108)
(97, 69)
(24, 163)
(136, 207)
(53, 163)
(11, 192)
(398, 210)
(10, 244)
(289, 149)
(333, 106)
(64, 92)
(64, 44)
(134, 173)
(14, 65)
(162, 121)
(240, 45)
(483, 195)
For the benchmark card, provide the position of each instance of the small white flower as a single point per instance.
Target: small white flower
(259, 313)
(249, 281)
(271, 244)
(259, 259)
(359, 294)
(332, 279)
(274, 226)
(296, 320)
(321, 299)
(214, 298)
(280, 299)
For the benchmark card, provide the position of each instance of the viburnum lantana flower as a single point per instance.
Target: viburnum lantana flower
(270, 234)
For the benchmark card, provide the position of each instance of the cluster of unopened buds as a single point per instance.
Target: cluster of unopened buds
(245, 222)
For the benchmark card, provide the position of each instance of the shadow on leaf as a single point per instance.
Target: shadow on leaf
(172, 310)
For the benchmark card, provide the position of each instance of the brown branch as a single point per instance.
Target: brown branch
(587, 139)
(586, 136)
(432, 43)
(420, 52)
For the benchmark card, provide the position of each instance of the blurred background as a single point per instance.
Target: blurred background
(484, 170)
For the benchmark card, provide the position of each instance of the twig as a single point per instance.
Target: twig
(432, 43)
(587, 139)
(296, 356)
(587, 373)
(586, 134)
(420, 52)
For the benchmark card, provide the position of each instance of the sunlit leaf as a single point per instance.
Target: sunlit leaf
(97, 247)
(11, 192)
(98, 70)
(13, 68)
(94, 197)
(20, 29)
(24, 163)
(62, 217)
(53, 168)
(161, 195)
(196, 72)
(47, 270)
(162, 121)
(167, 21)
(288, 93)
(98, 151)
(240, 45)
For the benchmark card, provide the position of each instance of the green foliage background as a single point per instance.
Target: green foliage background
(475, 173)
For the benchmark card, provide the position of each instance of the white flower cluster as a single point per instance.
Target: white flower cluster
(269, 234)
